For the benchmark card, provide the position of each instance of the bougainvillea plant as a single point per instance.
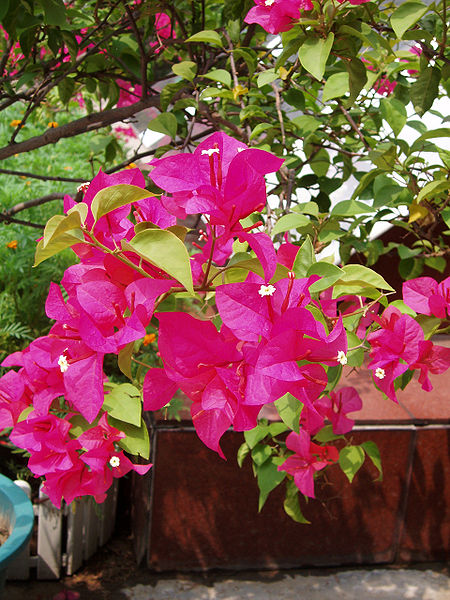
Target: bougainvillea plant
(211, 251)
(273, 332)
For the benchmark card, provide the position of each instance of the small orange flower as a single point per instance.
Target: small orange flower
(12, 244)
(52, 124)
(149, 338)
(67, 168)
(131, 166)
(27, 182)
(16, 123)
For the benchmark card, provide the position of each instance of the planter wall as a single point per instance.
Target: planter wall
(195, 511)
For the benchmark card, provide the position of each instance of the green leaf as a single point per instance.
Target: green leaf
(168, 92)
(329, 274)
(291, 503)
(394, 112)
(320, 162)
(165, 123)
(351, 459)
(250, 111)
(289, 408)
(54, 12)
(137, 441)
(277, 428)
(266, 77)
(186, 69)
(406, 15)
(243, 451)
(366, 180)
(165, 251)
(268, 478)
(357, 78)
(208, 36)
(326, 435)
(441, 132)
(124, 359)
(116, 196)
(431, 189)
(313, 54)
(425, 89)
(336, 86)
(304, 259)
(261, 453)
(371, 449)
(4, 7)
(219, 75)
(124, 403)
(290, 221)
(260, 128)
(66, 88)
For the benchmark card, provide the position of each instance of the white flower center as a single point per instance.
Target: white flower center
(241, 149)
(380, 373)
(267, 290)
(269, 2)
(63, 364)
(342, 357)
(114, 461)
(211, 151)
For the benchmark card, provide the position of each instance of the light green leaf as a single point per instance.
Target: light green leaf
(320, 162)
(59, 224)
(260, 128)
(441, 132)
(116, 196)
(350, 208)
(406, 15)
(351, 459)
(252, 110)
(164, 250)
(326, 435)
(124, 403)
(289, 408)
(432, 188)
(219, 75)
(372, 451)
(255, 435)
(81, 208)
(186, 69)
(306, 124)
(261, 453)
(124, 359)
(394, 113)
(208, 36)
(165, 123)
(243, 451)
(313, 54)
(364, 276)
(304, 259)
(336, 86)
(66, 240)
(137, 441)
(266, 77)
(329, 274)
(290, 221)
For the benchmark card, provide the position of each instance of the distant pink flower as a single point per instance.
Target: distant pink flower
(427, 297)
(308, 458)
(276, 16)
(126, 132)
(354, 2)
(384, 86)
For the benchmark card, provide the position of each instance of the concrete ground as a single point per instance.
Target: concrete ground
(427, 583)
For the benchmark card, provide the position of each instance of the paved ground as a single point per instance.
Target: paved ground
(350, 584)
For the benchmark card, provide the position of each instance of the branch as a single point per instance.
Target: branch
(41, 177)
(91, 122)
(5, 219)
(35, 202)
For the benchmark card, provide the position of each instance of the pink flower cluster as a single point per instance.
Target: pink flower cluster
(270, 341)
(276, 16)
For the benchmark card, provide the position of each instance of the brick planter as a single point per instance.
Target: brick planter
(195, 511)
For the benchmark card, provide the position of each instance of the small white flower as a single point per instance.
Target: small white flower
(267, 290)
(211, 151)
(83, 187)
(241, 149)
(63, 364)
(342, 357)
(380, 373)
(269, 2)
(114, 461)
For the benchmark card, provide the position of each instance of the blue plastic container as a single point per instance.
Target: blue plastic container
(16, 514)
